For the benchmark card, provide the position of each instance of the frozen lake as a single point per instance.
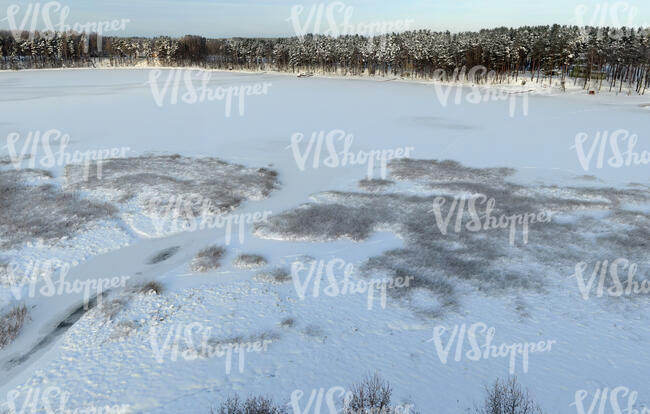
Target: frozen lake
(598, 343)
(117, 108)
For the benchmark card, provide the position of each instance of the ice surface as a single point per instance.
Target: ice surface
(524, 291)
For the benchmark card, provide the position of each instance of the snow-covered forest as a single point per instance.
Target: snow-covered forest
(604, 57)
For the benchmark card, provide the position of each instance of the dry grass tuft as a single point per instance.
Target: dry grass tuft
(249, 261)
(276, 275)
(11, 323)
(207, 259)
(150, 288)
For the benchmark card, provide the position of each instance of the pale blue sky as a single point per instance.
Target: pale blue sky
(271, 18)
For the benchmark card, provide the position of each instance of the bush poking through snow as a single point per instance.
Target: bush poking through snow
(10, 325)
(207, 259)
(249, 261)
(150, 288)
(163, 255)
(253, 405)
(372, 395)
(288, 323)
(507, 397)
(277, 275)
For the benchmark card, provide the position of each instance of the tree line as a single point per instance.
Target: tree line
(595, 57)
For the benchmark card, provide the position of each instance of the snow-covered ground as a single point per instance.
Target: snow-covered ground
(107, 356)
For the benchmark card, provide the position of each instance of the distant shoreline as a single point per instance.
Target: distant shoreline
(534, 88)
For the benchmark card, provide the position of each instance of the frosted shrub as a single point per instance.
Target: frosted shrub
(372, 395)
(507, 397)
(253, 405)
